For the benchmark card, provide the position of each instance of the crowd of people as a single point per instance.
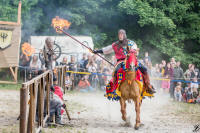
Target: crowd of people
(182, 85)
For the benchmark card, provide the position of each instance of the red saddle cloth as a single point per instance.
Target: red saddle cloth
(112, 89)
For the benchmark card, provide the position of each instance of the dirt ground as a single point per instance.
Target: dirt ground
(93, 113)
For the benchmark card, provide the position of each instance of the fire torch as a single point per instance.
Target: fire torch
(60, 24)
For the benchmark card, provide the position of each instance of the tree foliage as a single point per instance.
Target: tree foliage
(165, 28)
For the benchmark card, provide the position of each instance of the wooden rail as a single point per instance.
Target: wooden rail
(35, 100)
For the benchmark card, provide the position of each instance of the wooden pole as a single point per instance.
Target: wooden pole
(30, 120)
(16, 70)
(19, 13)
(23, 109)
(13, 74)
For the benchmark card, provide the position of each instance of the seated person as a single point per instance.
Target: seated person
(195, 86)
(198, 98)
(189, 95)
(177, 92)
(84, 84)
(68, 82)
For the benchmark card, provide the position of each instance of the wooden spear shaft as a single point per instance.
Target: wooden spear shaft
(84, 45)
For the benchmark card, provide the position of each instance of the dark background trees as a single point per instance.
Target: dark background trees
(165, 28)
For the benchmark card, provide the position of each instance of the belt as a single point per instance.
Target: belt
(120, 59)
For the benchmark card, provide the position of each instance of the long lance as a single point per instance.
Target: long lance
(84, 45)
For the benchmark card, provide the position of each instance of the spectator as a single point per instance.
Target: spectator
(87, 61)
(196, 71)
(156, 67)
(92, 68)
(189, 94)
(177, 92)
(173, 61)
(187, 74)
(194, 84)
(192, 71)
(162, 69)
(157, 74)
(68, 82)
(83, 62)
(166, 83)
(147, 57)
(54, 62)
(73, 67)
(169, 70)
(35, 67)
(163, 63)
(178, 71)
(72, 64)
(149, 68)
(172, 83)
(198, 98)
(146, 62)
(24, 62)
(84, 85)
(64, 62)
(104, 68)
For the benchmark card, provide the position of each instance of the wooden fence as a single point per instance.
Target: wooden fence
(35, 100)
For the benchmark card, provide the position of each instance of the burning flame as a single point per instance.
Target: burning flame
(27, 49)
(59, 23)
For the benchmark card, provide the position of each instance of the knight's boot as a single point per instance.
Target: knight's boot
(150, 88)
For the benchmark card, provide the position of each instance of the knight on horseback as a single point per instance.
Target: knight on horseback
(118, 48)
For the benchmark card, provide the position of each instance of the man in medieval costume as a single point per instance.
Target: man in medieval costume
(48, 53)
(118, 48)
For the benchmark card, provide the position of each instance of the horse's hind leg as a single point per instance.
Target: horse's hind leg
(137, 109)
(123, 108)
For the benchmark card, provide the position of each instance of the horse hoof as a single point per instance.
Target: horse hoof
(141, 124)
(124, 118)
(136, 127)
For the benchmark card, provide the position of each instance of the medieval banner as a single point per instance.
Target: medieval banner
(5, 38)
(10, 38)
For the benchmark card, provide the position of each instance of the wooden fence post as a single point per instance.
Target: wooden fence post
(23, 109)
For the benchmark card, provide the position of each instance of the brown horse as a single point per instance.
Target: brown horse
(130, 90)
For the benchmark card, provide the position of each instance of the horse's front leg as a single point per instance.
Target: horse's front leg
(123, 108)
(137, 109)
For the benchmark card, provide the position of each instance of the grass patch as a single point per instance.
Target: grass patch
(10, 86)
(189, 111)
(182, 107)
(10, 129)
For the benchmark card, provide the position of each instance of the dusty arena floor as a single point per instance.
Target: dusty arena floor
(93, 113)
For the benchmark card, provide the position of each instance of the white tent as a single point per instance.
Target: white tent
(68, 45)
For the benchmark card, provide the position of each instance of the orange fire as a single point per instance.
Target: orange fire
(27, 49)
(59, 23)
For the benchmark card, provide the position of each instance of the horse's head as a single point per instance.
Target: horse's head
(131, 60)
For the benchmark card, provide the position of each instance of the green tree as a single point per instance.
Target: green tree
(165, 28)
